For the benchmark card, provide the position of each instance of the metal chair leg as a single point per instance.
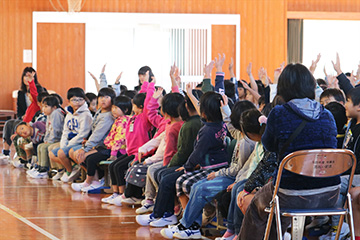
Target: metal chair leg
(297, 227)
(278, 220)
(350, 217)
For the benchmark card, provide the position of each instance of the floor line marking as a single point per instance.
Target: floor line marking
(28, 187)
(27, 222)
(75, 217)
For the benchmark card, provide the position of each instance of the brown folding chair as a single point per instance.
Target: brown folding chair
(313, 163)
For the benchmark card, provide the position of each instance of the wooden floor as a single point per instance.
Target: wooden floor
(46, 209)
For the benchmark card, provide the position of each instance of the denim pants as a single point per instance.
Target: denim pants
(201, 193)
(166, 194)
(235, 216)
(340, 203)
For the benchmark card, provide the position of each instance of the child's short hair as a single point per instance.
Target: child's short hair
(51, 101)
(354, 95)
(19, 124)
(249, 122)
(139, 99)
(107, 92)
(123, 88)
(170, 104)
(229, 88)
(130, 93)
(124, 103)
(41, 96)
(237, 110)
(210, 106)
(90, 96)
(333, 92)
(278, 100)
(296, 81)
(339, 113)
(58, 97)
(76, 92)
(322, 83)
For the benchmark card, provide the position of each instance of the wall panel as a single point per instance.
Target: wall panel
(60, 62)
(263, 30)
(324, 5)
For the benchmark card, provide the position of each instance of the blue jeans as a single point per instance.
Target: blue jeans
(342, 197)
(201, 193)
(235, 216)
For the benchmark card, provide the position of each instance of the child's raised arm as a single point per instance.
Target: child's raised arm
(206, 86)
(96, 81)
(344, 82)
(233, 78)
(193, 99)
(219, 80)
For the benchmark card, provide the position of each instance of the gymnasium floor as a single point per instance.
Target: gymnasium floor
(46, 209)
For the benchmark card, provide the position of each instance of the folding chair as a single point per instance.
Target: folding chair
(313, 163)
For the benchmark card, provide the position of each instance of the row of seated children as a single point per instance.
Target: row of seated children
(176, 173)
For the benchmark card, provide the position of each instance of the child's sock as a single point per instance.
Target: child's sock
(149, 201)
(357, 237)
(6, 152)
(228, 233)
(68, 173)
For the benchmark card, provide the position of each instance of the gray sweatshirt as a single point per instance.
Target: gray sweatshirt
(54, 126)
(100, 128)
(77, 126)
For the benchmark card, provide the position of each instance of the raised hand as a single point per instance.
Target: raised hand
(158, 93)
(263, 76)
(231, 68)
(245, 85)
(93, 76)
(314, 63)
(248, 69)
(336, 65)
(225, 101)
(219, 62)
(117, 81)
(103, 69)
(146, 78)
(208, 68)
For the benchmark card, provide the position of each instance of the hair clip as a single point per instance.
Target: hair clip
(262, 120)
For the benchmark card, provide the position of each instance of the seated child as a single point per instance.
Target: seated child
(77, 126)
(54, 126)
(114, 145)
(332, 95)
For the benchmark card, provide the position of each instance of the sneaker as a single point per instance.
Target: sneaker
(317, 222)
(145, 220)
(108, 199)
(117, 201)
(146, 208)
(58, 175)
(95, 185)
(75, 173)
(165, 221)
(77, 187)
(65, 177)
(17, 164)
(168, 232)
(231, 237)
(39, 175)
(344, 234)
(4, 160)
(193, 232)
(131, 201)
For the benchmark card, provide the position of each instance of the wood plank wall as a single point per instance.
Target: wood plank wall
(263, 28)
(59, 60)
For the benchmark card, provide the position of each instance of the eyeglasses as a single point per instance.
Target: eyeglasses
(77, 100)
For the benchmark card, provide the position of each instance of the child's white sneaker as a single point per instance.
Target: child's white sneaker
(132, 201)
(65, 177)
(39, 175)
(58, 175)
(145, 220)
(165, 221)
(75, 173)
(117, 200)
(108, 199)
(93, 186)
(146, 208)
(79, 186)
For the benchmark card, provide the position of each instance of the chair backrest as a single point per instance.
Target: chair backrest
(319, 162)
